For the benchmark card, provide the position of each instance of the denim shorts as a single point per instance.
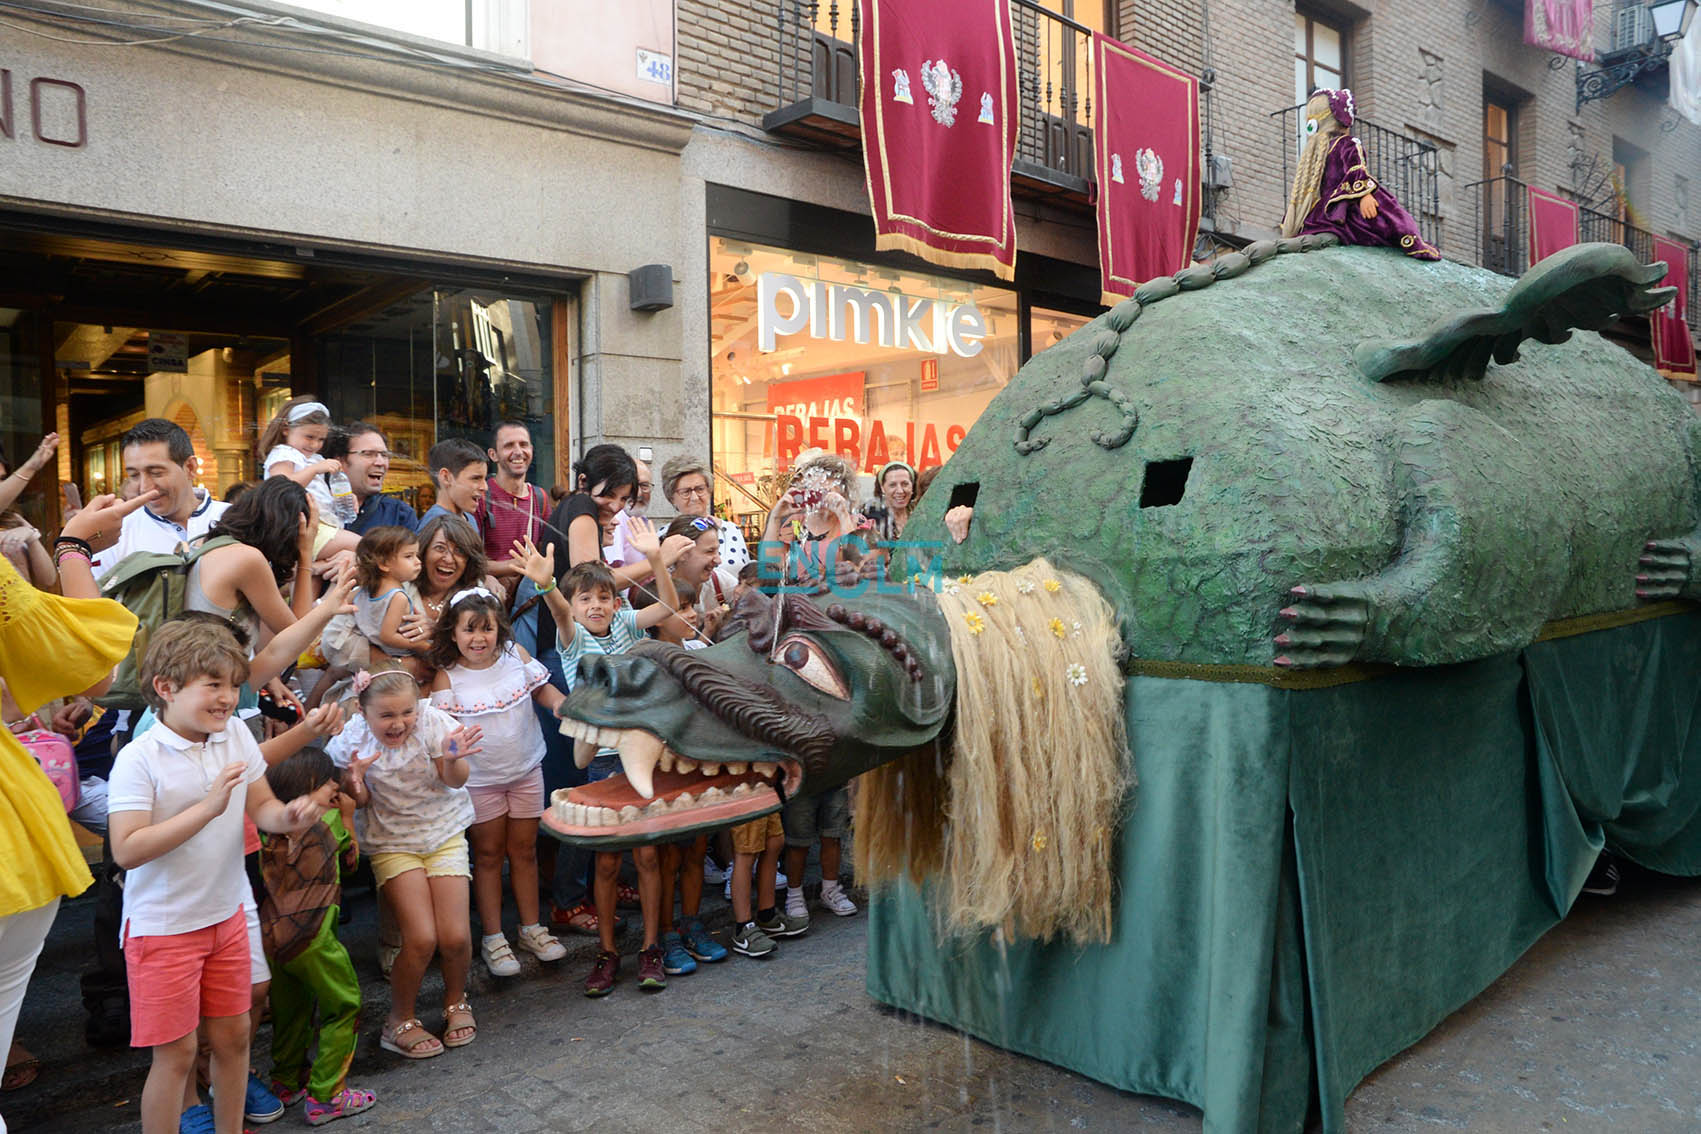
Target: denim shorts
(606, 764)
(811, 817)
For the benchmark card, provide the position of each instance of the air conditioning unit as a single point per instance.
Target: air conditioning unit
(1632, 27)
(1219, 174)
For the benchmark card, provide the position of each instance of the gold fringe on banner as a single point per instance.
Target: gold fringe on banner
(980, 261)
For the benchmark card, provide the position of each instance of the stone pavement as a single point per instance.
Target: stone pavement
(1598, 1027)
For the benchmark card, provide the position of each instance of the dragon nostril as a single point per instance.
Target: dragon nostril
(620, 677)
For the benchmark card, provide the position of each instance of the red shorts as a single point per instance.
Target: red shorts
(177, 978)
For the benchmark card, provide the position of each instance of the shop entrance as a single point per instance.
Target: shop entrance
(98, 332)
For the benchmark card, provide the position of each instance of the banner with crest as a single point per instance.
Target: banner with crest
(1554, 223)
(1674, 347)
(1146, 159)
(939, 113)
(1566, 27)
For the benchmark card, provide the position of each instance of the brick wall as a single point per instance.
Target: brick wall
(1417, 69)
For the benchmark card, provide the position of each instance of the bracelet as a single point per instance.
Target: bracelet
(59, 557)
(81, 545)
(545, 590)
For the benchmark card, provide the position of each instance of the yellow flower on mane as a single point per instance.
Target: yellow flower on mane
(1057, 627)
(975, 621)
(1053, 586)
(987, 598)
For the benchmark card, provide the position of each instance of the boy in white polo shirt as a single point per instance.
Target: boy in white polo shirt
(176, 801)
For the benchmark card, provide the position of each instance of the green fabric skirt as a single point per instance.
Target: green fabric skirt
(1310, 880)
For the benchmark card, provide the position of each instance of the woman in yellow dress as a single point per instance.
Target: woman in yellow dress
(49, 647)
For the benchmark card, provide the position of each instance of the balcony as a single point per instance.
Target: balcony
(1501, 220)
(819, 96)
(1404, 166)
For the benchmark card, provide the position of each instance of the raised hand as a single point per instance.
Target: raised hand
(643, 537)
(300, 813)
(537, 566)
(341, 593)
(357, 765)
(674, 547)
(463, 742)
(1328, 626)
(326, 720)
(101, 518)
(218, 795)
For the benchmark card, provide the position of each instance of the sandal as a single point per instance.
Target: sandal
(626, 897)
(459, 1018)
(391, 1040)
(349, 1100)
(21, 1069)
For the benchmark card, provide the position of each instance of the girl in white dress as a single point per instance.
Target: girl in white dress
(485, 679)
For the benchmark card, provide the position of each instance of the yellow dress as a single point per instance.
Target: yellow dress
(49, 647)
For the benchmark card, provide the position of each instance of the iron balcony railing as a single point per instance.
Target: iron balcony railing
(1502, 223)
(1404, 166)
(818, 61)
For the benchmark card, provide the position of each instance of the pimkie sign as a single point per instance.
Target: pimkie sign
(833, 312)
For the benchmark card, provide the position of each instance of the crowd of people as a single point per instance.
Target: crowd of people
(250, 698)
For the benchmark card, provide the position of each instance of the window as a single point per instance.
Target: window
(500, 26)
(1320, 59)
(1501, 244)
(1499, 138)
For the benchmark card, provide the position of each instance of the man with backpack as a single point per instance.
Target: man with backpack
(158, 455)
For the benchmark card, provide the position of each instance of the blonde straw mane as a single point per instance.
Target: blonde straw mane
(1018, 816)
(1308, 181)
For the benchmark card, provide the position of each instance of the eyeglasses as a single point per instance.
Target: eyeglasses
(371, 454)
(700, 490)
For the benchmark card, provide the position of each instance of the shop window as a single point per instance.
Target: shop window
(499, 26)
(815, 352)
(1320, 57)
(1047, 328)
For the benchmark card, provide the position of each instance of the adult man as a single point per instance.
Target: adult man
(368, 463)
(622, 549)
(158, 455)
(462, 476)
(512, 509)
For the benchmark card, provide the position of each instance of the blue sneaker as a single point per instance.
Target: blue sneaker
(675, 960)
(197, 1120)
(700, 945)
(261, 1105)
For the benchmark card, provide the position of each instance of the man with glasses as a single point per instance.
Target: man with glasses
(368, 464)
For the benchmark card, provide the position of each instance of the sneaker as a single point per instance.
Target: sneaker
(603, 974)
(714, 875)
(259, 1104)
(700, 945)
(289, 1096)
(751, 941)
(780, 880)
(537, 941)
(197, 1120)
(726, 891)
(499, 956)
(1603, 879)
(652, 976)
(795, 905)
(833, 896)
(784, 924)
(675, 960)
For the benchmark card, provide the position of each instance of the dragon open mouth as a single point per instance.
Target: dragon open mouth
(661, 791)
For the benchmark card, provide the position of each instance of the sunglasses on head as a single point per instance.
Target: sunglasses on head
(698, 523)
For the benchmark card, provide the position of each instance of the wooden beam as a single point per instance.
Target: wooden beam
(362, 303)
(560, 329)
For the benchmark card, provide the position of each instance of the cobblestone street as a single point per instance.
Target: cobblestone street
(1595, 1028)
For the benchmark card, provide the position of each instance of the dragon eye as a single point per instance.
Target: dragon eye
(1310, 126)
(805, 659)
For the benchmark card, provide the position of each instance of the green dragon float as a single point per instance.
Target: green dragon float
(1321, 614)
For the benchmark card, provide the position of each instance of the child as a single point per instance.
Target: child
(176, 801)
(757, 844)
(291, 443)
(462, 476)
(406, 767)
(310, 967)
(589, 619)
(807, 817)
(483, 678)
(386, 563)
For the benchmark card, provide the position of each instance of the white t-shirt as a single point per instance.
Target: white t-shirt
(201, 882)
(144, 531)
(319, 488)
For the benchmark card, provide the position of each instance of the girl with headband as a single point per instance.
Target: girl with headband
(485, 679)
(406, 765)
(291, 443)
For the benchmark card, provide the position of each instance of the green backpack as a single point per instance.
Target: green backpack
(150, 585)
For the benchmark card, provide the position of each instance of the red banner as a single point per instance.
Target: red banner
(1563, 26)
(1146, 159)
(1674, 348)
(1553, 224)
(939, 112)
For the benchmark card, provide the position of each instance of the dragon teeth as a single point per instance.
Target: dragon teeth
(742, 789)
(684, 799)
(712, 794)
(681, 764)
(639, 751)
(737, 767)
(766, 770)
(583, 752)
(628, 814)
(665, 760)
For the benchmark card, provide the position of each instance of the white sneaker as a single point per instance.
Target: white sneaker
(795, 905)
(499, 956)
(780, 881)
(833, 896)
(538, 941)
(727, 889)
(714, 875)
